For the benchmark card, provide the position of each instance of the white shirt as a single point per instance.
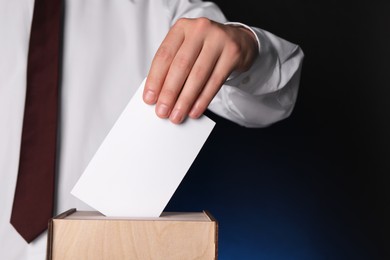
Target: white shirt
(108, 48)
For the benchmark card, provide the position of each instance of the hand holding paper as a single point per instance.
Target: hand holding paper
(141, 162)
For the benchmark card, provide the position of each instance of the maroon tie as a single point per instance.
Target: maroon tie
(33, 201)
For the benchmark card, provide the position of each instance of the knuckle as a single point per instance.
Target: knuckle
(182, 63)
(164, 53)
(181, 22)
(168, 95)
(204, 26)
(203, 23)
(199, 72)
(219, 33)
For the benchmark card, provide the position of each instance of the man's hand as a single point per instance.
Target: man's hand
(191, 64)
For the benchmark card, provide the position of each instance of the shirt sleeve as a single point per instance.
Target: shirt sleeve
(267, 92)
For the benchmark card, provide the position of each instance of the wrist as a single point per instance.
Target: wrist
(250, 45)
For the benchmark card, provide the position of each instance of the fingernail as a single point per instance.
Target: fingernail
(162, 110)
(176, 116)
(149, 96)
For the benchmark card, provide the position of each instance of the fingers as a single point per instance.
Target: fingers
(194, 83)
(171, 67)
(177, 75)
(191, 65)
(161, 64)
(219, 74)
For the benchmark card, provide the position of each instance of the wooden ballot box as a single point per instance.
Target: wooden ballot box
(91, 235)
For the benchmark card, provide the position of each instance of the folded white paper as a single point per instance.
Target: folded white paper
(141, 162)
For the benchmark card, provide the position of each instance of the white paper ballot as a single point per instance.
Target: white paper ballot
(141, 162)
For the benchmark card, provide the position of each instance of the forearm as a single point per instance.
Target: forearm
(267, 92)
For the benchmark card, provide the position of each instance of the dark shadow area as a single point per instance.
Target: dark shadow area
(314, 186)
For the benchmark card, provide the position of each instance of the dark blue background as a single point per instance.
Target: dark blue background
(313, 186)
